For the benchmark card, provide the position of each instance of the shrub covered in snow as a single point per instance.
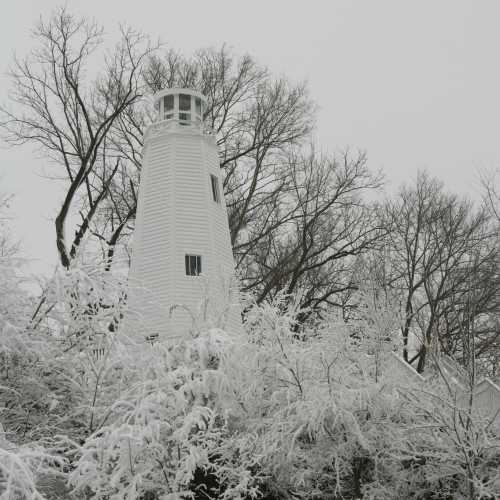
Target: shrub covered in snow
(270, 413)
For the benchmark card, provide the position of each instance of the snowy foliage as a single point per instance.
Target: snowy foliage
(23, 467)
(275, 412)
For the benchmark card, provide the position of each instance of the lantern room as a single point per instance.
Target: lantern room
(183, 106)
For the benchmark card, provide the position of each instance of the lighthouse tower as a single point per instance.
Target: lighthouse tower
(182, 263)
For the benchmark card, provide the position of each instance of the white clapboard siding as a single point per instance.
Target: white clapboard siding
(487, 401)
(176, 215)
(396, 371)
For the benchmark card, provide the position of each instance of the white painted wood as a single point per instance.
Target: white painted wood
(176, 215)
(487, 401)
(396, 371)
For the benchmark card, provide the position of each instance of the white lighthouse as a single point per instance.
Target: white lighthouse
(182, 264)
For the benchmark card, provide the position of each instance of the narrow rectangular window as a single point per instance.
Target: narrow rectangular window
(193, 265)
(184, 102)
(168, 102)
(168, 106)
(215, 188)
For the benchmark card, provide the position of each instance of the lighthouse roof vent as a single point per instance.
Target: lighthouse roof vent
(183, 106)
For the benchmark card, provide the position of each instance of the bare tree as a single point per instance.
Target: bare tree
(58, 108)
(8, 247)
(309, 243)
(490, 192)
(434, 236)
(256, 118)
(297, 221)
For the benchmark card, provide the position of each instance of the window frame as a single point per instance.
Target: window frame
(168, 111)
(186, 109)
(184, 99)
(168, 108)
(214, 181)
(191, 269)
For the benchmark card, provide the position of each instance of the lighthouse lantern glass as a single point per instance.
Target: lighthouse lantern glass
(183, 108)
(168, 107)
(169, 102)
(184, 102)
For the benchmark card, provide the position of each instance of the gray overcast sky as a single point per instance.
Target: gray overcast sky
(414, 83)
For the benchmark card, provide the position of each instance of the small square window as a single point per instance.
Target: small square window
(215, 188)
(193, 265)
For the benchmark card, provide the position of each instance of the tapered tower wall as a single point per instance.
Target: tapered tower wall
(178, 216)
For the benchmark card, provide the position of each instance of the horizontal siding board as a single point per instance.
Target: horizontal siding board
(177, 215)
